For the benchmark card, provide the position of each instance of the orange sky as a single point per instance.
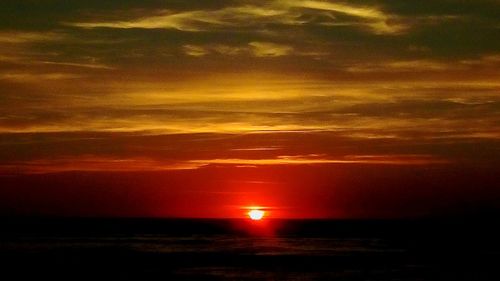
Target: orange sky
(186, 108)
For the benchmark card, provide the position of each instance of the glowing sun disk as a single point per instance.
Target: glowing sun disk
(256, 214)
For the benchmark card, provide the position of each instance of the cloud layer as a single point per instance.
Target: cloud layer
(235, 85)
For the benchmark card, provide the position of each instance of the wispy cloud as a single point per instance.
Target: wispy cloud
(75, 64)
(257, 49)
(290, 12)
(22, 77)
(426, 65)
(315, 159)
(199, 20)
(422, 65)
(372, 17)
(18, 37)
(195, 51)
(20, 48)
(267, 49)
(34, 60)
(91, 163)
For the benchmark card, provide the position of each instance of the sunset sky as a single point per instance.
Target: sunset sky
(310, 108)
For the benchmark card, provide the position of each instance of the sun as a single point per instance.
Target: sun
(256, 214)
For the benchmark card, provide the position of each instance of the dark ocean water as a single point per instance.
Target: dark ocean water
(147, 249)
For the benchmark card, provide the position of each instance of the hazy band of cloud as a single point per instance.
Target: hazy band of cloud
(98, 163)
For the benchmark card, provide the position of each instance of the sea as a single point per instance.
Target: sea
(234, 249)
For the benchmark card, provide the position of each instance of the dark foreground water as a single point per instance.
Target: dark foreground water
(144, 249)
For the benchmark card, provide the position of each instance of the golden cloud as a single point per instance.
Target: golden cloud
(257, 49)
(314, 159)
(18, 37)
(288, 12)
(268, 49)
